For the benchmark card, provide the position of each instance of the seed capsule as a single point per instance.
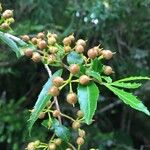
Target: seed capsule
(25, 38)
(58, 81)
(51, 40)
(80, 141)
(82, 133)
(41, 115)
(34, 40)
(28, 52)
(31, 146)
(108, 70)
(36, 57)
(84, 80)
(76, 125)
(67, 49)
(51, 58)
(79, 49)
(81, 42)
(41, 35)
(51, 146)
(66, 41)
(42, 44)
(58, 141)
(54, 91)
(92, 53)
(5, 26)
(7, 14)
(74, 68)
(107, 54)
(72, 38)
(56, 113)
(72, 98)
(80, 114)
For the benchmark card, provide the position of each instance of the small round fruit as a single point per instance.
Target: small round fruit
(53, 49)
(108, 70)
(41, 35)
(54, 35)
(42, 44)
(80, 114)
(51, 58)
(25, 38)
(84, 79)
(74, 68)
(36, 57)
(82, 133)
(51, 146)
(54, 91)
(81, 42)
(58, 81)
(28, 52)
(5, 26)
(34, 40)
(76, 125)
(92, 53)
(80, 141)
(66, 41)
(11, 20)
(51, 40)
(58, 141)
(72, 38)
(72, 98)
(56, 113)
(7, 14)
(31, 146)
(41, 115)
(37, 143)
(107, 54)
(67, 49)
(79, 48)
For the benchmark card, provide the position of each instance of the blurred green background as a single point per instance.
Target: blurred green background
(122, 26)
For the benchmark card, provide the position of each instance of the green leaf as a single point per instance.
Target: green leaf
(129, 98)
(107, 79)
(60, 130)
(46, 123)
(133, 78)
(74, 58)
(97, 65)
(10, 43)
(87, 97)
(94, 74)
(42, 100)
(126, 85)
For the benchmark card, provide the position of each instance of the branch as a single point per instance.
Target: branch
(48, 70)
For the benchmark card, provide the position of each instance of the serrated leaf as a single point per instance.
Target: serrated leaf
(94, 74)
(87, 97)
(74, 58)
(10, 43)
(129, 98)
(60, 130)
(107, 79)
(97, 65)
(42, 100)
(126, 85)
(133, 78)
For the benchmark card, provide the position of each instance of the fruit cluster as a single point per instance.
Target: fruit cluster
(6, 18)
(45, 48)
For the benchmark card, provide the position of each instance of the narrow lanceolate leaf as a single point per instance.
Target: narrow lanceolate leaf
(126, 85)
(42, 100)
(133, 78)
(107, 79)
(129, 98)
(74, 58)
(60, 130)
(87, 97)
(10, 43)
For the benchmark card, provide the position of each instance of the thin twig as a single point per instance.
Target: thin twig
(48, 70)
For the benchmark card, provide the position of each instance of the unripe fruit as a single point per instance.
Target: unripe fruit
(84, 80)
(79, 48)
(68, 149)
(107, 54)
(36, 57)
(34, 40)
(72, 38)
(54, 91)
(41, 35)
(58, 81)
(56, 113)
(5, 26)
(92, 53)
(51, 41)
(58, 141)
(66, 41)
(51, 58)
(67, 49)
(11, 20)
(7, 14)
(31, 146)
(51, 146)
(72, 98)
(108, 70)
(37, 143)
(80, 141)
(42, 44)
(82, 133)
(54, 35)
(80, 114)
(41, 115)
(81, 42)
(76, 125)
(74, 68)
(28, 52)
(53, 49)
(25, 38)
